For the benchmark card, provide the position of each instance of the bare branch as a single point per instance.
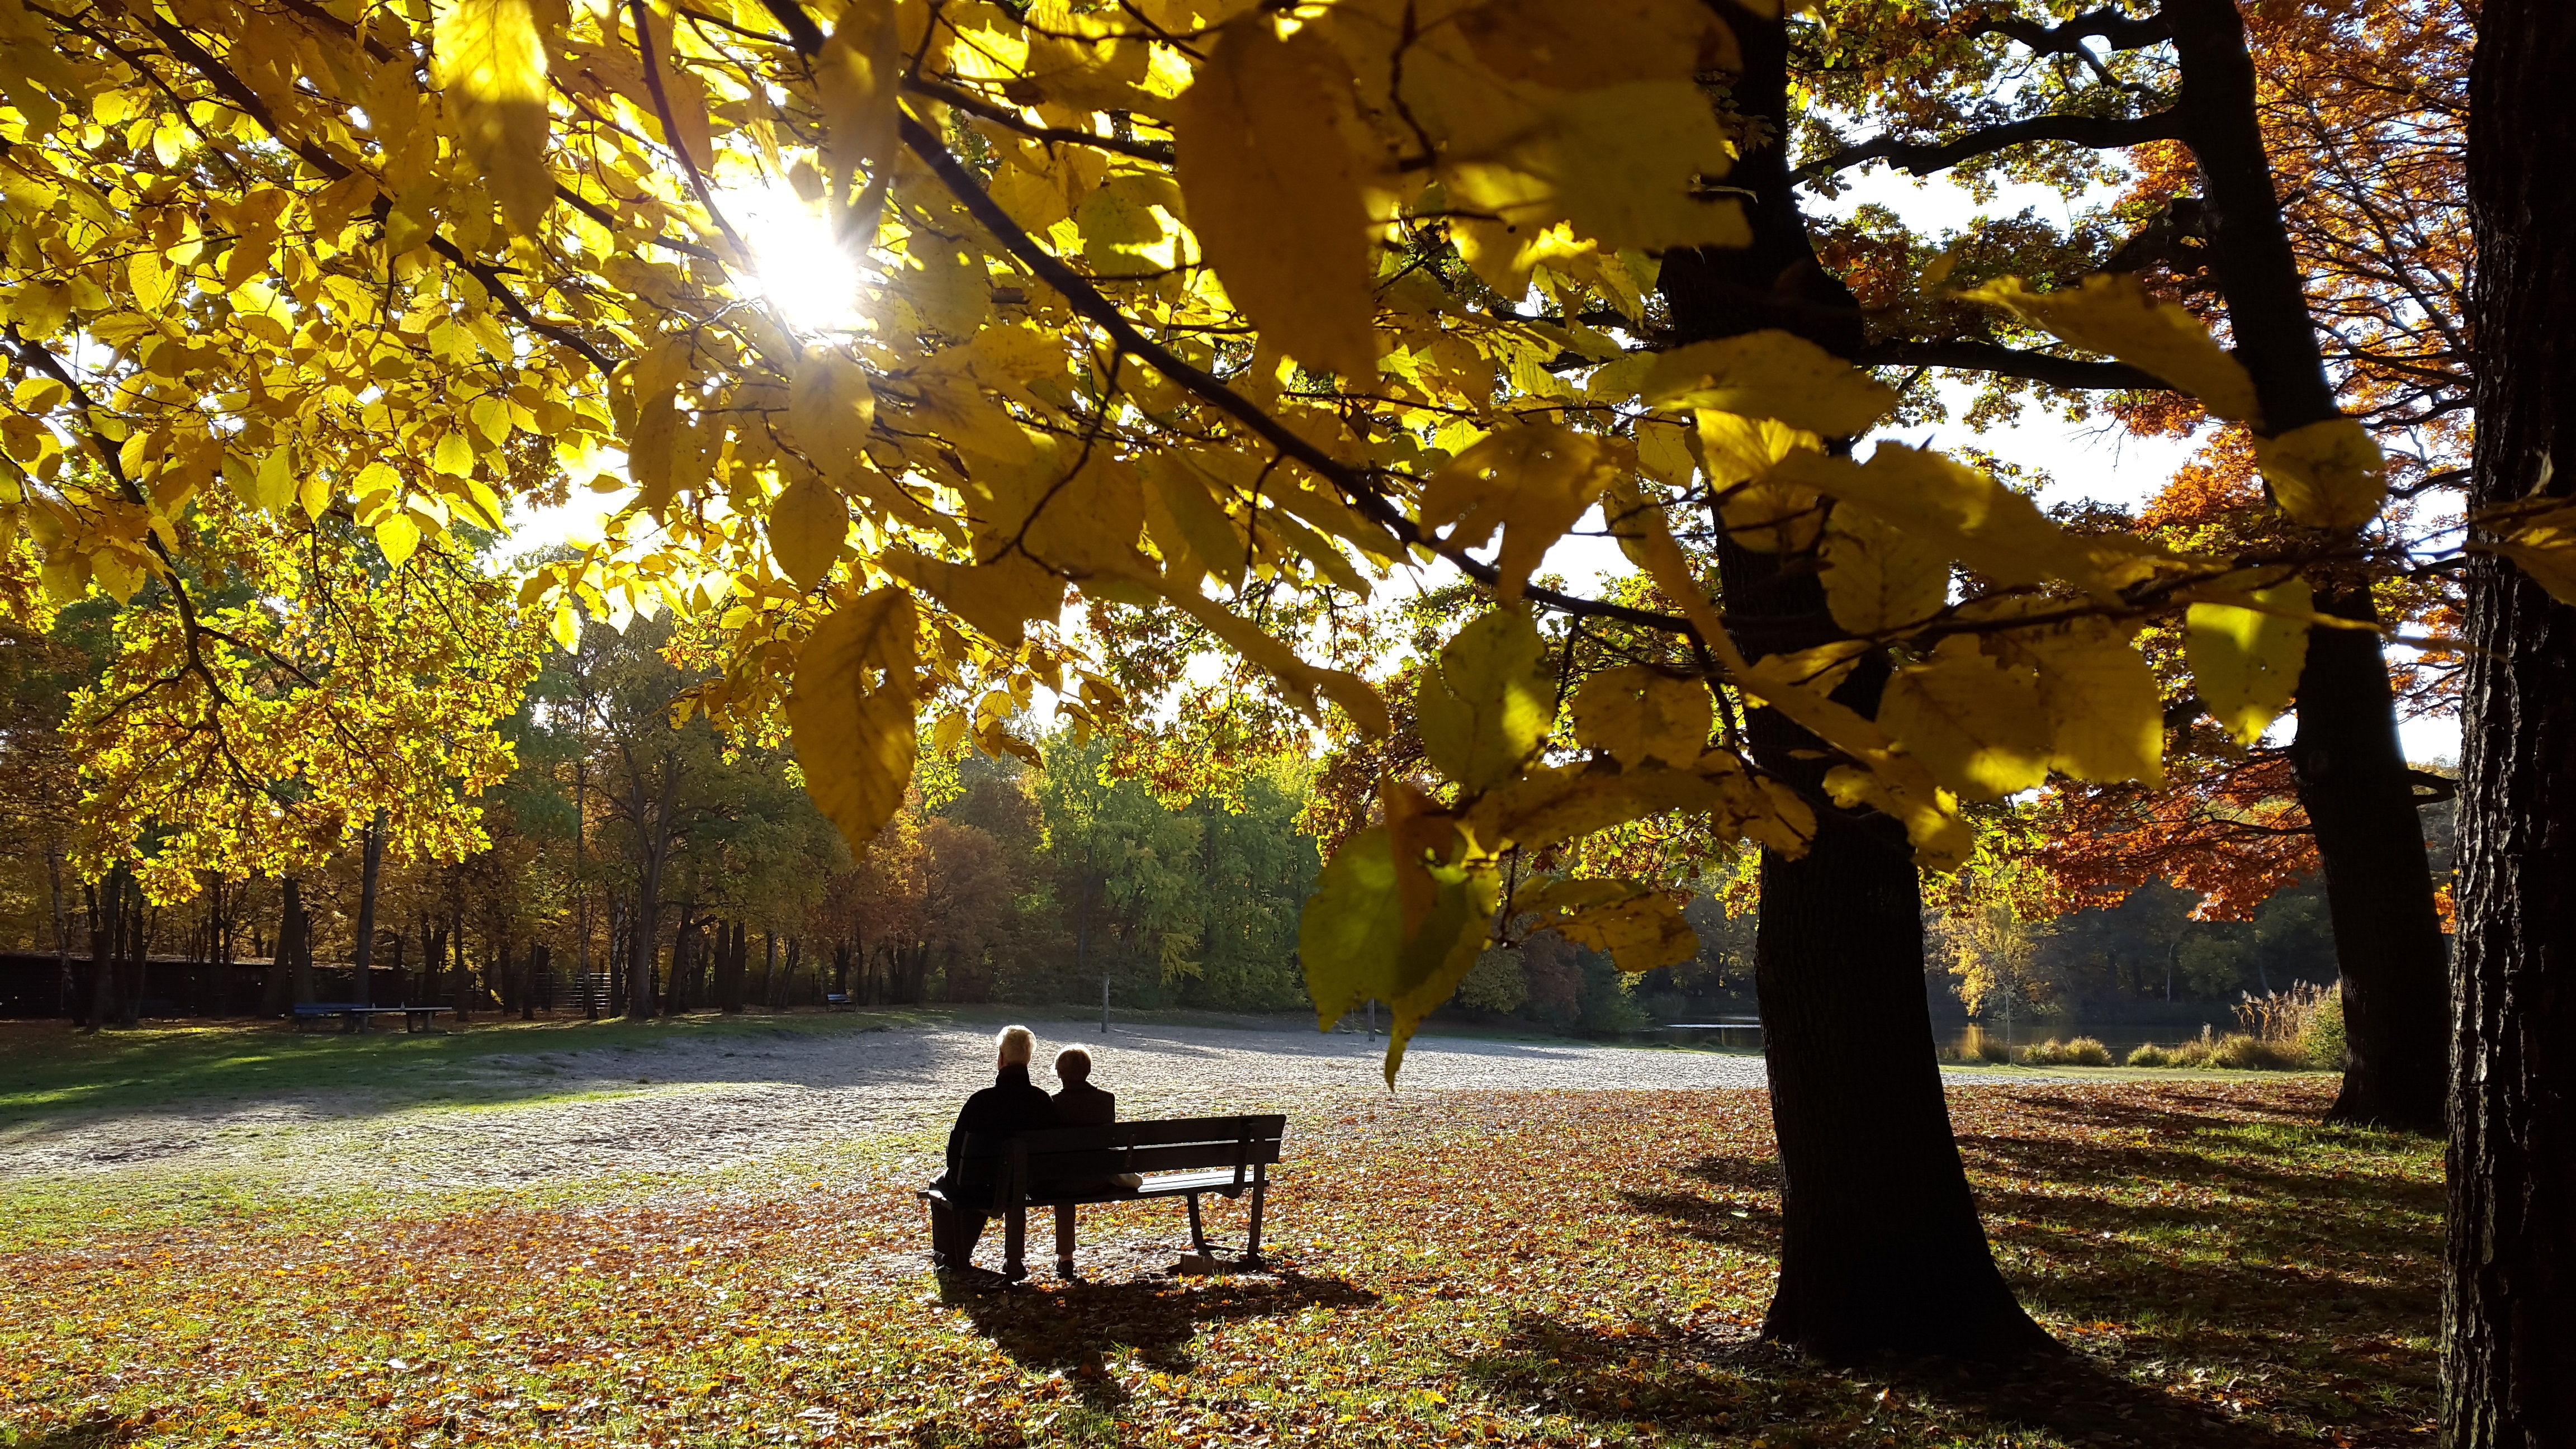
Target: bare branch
(2102, 133)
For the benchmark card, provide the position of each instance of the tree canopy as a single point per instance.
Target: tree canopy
(1207, 314)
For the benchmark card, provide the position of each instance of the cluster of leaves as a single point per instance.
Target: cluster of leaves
(1592, 1272)
(1202, 309)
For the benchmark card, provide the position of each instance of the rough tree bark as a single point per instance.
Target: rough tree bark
(2350, 767)
(2509, 1301)
(1881, 1248)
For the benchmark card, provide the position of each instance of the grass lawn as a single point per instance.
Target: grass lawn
(1563, 1268)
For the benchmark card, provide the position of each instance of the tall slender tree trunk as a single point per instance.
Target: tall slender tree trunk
(2351, 770)
(1881, 1248)
(62, 931)
(295, 942)
(370, 862)
(103, 905)
(2509, 1300)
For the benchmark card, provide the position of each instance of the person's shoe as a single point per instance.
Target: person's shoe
(1015, 1271)
(1064, 1270)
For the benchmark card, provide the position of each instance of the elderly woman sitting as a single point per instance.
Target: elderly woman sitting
(1012, 1104)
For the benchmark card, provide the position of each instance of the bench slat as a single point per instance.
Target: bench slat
(1162, 1132)
(1062, 1166)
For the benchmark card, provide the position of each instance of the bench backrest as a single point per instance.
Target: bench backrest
(1073, 1154)
(318, 1008)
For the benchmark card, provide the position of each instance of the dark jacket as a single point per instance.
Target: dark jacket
(1084, 1105)
(1012, 1104)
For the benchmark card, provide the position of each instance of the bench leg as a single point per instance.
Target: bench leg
(1015, 1237)
(1252, 1242)
(1198, 1234)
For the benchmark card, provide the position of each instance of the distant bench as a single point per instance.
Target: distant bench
(1175, 1157)
(353, 1016)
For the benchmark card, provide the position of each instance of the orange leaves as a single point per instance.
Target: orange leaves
(1483, 1266)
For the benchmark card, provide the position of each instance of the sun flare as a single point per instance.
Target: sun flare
(815, 283)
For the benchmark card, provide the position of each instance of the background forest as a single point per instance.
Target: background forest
(1002, 879)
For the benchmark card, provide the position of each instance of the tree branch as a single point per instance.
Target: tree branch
(2040, 367)
(2124, 32)
(2102, 133)
(1158, 152)
(1088, 303)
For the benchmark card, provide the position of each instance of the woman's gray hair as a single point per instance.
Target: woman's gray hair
(1017, 1044)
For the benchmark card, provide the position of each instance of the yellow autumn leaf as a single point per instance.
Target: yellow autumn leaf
(2105, 713)
(1973, 720)
(1486, 702)
(1274, 193)
(1353, 941)
(2544, 545)
(1770, 374)
(1000, 598)
(808, 527)
(2111, 314)
(1188, 525)
(1878, 576)
(1946, 505)
(491, 59)
(855, 79)
(152, 278)
(1532, 483)
(399, 537)
(1304, 682)
(274, 484)
(850, 717)
(1640, 932)
(830, 407)
(2245, 662)
(1640, 714)
(1901, 786)
(1762, 514)
(2328, 474)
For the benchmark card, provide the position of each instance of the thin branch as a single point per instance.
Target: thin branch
(1087, 302)
(1159, 152)
(2041, 367)
(2102, 133)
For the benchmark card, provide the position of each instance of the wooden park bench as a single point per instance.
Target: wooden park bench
(354, 1017)
(1004, 1175)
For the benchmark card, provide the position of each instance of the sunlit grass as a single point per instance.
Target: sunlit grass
(1529, 1268)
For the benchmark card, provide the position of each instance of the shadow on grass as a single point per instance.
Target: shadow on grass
(1681, 1382)
(47, 1070)
(1075, 1328)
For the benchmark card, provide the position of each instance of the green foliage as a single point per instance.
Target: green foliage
(2083, 1051)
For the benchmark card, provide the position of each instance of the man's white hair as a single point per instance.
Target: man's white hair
(1017, 1044)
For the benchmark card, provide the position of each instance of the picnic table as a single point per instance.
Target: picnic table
(1166, 1157)
(354, 1016)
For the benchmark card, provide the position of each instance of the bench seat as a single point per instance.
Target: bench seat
(1003, 1175)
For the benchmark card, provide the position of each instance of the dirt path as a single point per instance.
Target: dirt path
(693, 1105)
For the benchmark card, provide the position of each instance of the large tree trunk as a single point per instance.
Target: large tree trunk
(1881, 1248)
(2509, 1304)
(2352, 774)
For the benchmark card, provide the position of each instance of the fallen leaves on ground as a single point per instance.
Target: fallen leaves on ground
(1563, 1268)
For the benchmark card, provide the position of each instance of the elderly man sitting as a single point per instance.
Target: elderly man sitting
(1012, 1104)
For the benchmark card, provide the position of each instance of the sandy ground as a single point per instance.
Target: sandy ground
(698, 1105)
